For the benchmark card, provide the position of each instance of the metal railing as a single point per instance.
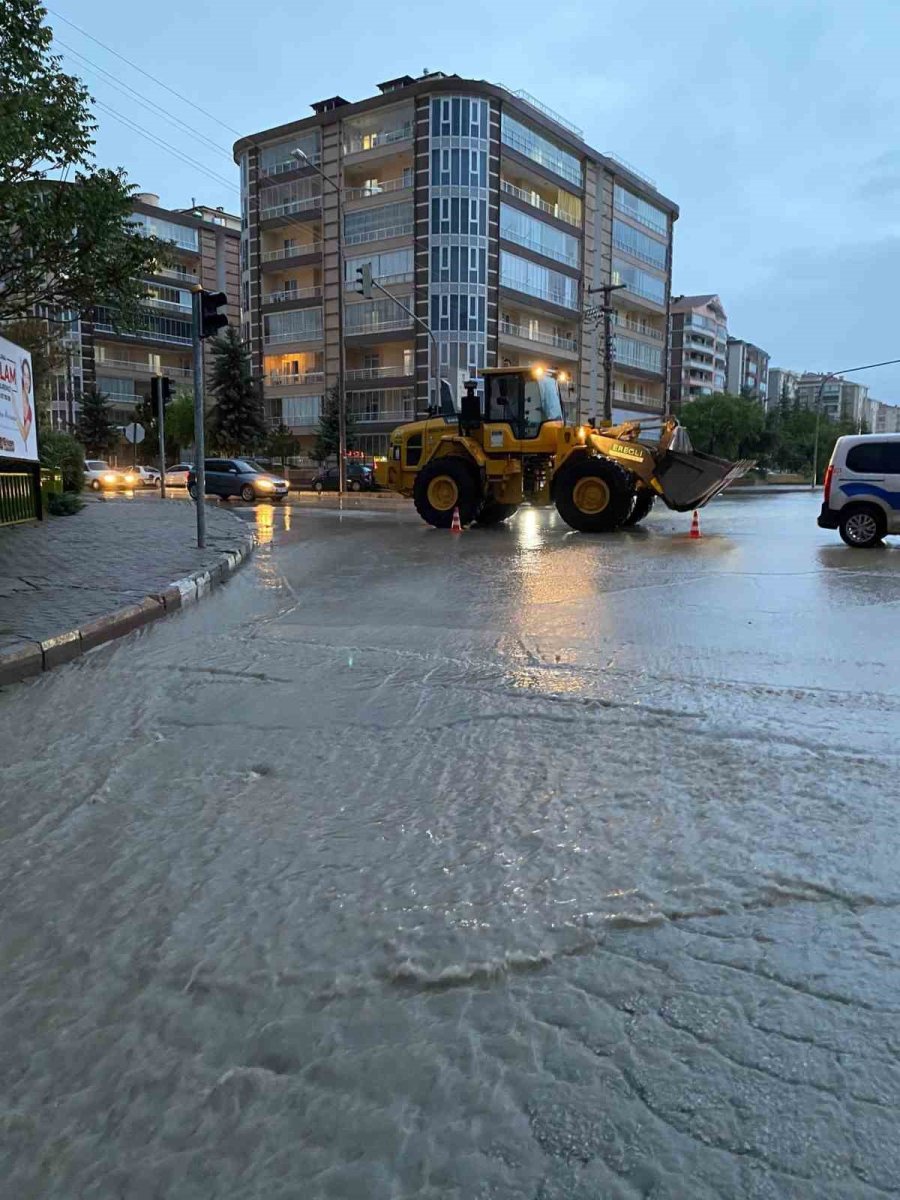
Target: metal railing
(535, 201)
(290, 207)
(376, 372)
(281, 378)
(142, 368)
(289, 164)
(378, 188)
(377, 326)
(382, 137)
(176, 273)
(536, 153)
(291, 251)
(384, 280)
(16, 497)
(623, 162)
(279, 339)
(377, 235)
(545, 339)
(636, 327)
(307, 293)
(533, 102)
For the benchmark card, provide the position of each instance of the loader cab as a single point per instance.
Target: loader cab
(525, 398)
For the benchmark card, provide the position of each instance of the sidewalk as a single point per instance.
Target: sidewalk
(69, 574)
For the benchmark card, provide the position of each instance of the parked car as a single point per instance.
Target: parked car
(359, 479)
(227, 477)
(861, 497)
(147, 476)
(98, 474)
(177, 476)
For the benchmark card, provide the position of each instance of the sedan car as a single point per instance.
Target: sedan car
(177, 476)
(226, 477)
(359, 479)
(147, 476)
(99, 475)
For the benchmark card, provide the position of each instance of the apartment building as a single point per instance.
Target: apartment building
(747, 372)
(885, 417)
(479, 209)
(782, 385)
(842, 399)
(204, 246)
(698, 348)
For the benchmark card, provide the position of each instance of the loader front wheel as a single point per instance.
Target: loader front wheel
(443, 485)
(594, 495)
(643, 502)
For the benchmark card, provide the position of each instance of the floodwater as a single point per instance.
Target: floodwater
(514, 864)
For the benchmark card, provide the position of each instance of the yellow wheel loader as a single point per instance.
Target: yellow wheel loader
(514, 447)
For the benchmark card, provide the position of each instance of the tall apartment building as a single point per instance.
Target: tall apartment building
(885, 417)
(204, 246)
(698, 348)
(748, 371)
(842, 399)
(483, 212)
(782, 385)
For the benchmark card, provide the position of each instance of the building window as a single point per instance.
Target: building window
(388, 220)
(632, 241)
(639, 210)
(540, 149)
(639, 282)
(275, 160)
(183, 236)
(393, 264)
(633, 353)
(375, 315)
(299, 326)
(301, 410)
(535, 280)
(545, 239)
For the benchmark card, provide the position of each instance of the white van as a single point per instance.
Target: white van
(862, 488)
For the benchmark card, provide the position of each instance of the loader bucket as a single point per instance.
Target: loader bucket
(690, 479)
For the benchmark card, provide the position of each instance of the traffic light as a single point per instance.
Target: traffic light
(161, 390)
(211, 320)
(364, 280)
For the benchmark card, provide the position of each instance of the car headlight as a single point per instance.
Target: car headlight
(109, 478)
(265, 483)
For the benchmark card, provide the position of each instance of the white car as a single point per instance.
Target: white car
(147, 476)
(177, 476)
(862, 489)
(100, 475)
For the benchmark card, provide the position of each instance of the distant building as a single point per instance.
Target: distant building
(885, 417)
(205, 248)
(748, 371)
(842, 400)
(782, 385)
(698, 341)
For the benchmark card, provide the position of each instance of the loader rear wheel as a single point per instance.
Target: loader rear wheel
(594, 495)
(493, 512)
(643, 502)
(443, 485)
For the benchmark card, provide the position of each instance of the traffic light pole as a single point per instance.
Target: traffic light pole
(199, 431)
(159, 400)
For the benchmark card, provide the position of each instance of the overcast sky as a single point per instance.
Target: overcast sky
(772, 123)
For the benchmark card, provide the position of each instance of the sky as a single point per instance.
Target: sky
(773, 124)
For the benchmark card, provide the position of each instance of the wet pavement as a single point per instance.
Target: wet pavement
(517, 864)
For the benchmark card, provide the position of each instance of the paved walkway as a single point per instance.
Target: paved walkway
(68, 571)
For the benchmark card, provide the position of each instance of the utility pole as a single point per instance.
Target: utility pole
(820, 390)
(199, 431)
(607, 311)
(70, 398)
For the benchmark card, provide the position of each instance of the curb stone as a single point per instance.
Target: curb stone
(26, 661)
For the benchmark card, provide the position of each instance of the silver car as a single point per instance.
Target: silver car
(177, 476)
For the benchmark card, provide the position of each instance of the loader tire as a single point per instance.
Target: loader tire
(493, 512)
(594, 495)
(643, 502)
(443, 485)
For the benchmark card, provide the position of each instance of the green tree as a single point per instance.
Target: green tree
(64, 244)
(94, 427)
(281, 444)
(179, 423)
(725, 425)
(62, 451)
(328, 439)
(237, 421)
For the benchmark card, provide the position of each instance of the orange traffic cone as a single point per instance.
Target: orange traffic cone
(455, 524)
(695, 525)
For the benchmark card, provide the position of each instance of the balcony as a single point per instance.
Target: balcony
(126, 366)
(637, 327)
(377, 235)
(301, 248)
(359, 142)
(295, 379)
(535, 201)
(142, 335)
(388, 326)
(544, 339)
(521, 239)
(181, 274)
(378, 188)
(306, 204)
(358, 373)
(289, 164)
(624, 248)
(307, 293)
(181, 310)
(293, 335)
(383, 405)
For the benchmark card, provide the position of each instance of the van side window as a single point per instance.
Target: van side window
(413, 450)
(873, 458)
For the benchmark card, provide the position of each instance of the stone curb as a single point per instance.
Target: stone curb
(24, 662)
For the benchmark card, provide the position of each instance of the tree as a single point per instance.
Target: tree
(94, 427)
(237, 421)
(281, 444)
(328, 440)
(62, 451)
(180, 423)
(67, 244)
(725, 425)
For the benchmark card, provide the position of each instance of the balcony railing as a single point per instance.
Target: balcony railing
(167, 305)
(297, 335)
(143, 335)
(512, 235)
(636, 327)
(289, 164)
(554, 295)
(307, 293)
(536, 202)
(141, 368)
(383, 137)
(378, 188)
(545, 339)
(533, 101)
(378, 326)
(639, 254)
(305, 204)
(377, 372)
(383, 404)
(291, 251)
(623, 162)
(377, 235)
(176, 273)
(620, 397)
(280, 378)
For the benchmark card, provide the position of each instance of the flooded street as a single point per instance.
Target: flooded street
(518, 864)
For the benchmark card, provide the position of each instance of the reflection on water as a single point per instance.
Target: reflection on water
(265, 523)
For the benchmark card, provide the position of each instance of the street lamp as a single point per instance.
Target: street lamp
(820, 390)
(303, 158)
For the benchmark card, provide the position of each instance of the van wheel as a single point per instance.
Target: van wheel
(319, 486)
(594, 494)
(443, 485)
(862, 526)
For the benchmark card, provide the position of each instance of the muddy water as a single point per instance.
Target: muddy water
(512, 865)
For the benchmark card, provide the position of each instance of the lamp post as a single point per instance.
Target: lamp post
(819, 392)
(303, 158)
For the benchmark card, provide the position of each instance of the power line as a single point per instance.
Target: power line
(135, 67)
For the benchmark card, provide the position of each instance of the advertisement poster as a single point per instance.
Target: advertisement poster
(18, 433)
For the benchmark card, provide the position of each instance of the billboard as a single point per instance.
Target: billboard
(18, 432)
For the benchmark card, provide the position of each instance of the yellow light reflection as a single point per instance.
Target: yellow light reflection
(287, 516)
(265, 523)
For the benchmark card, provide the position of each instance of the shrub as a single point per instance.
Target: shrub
(64, 504)
(62, 451)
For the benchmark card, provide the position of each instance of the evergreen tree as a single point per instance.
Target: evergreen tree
(237, 421)
(328, 432)
(281, 444)
(179, 424)
(94, 427)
